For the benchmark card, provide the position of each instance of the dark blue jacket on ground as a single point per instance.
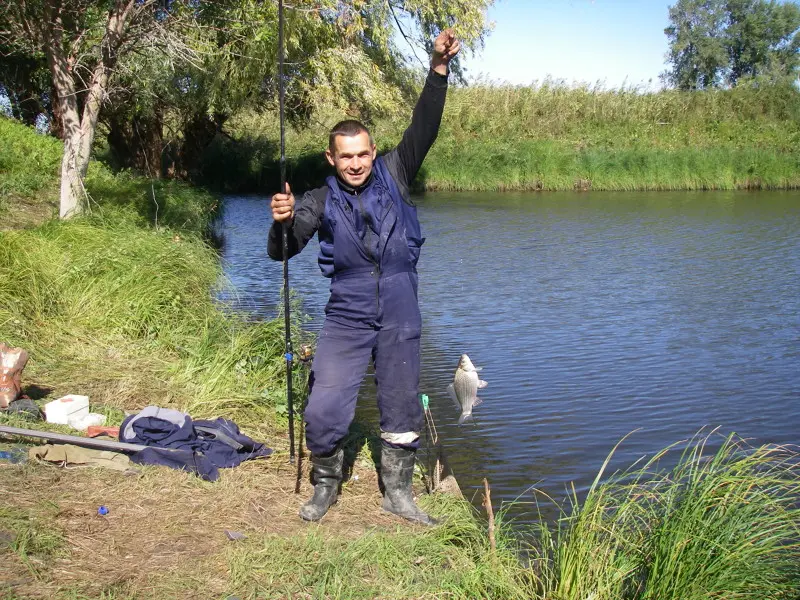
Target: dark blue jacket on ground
(200, 447)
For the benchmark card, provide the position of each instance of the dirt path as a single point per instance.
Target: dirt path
(159, 521)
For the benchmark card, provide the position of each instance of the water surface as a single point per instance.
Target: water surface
(593, 315)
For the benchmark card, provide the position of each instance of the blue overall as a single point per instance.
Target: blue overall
(369, 247)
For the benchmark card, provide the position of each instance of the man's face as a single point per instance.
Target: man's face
(352, 157)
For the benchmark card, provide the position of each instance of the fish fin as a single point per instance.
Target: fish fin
(451, 391)
(482, 383)
(479, 368)
(477, 401)
(465, 418)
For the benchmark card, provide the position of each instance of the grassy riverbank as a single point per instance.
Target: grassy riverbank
(118, 305)
(553, 137)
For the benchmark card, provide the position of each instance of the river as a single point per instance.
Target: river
(593, 315)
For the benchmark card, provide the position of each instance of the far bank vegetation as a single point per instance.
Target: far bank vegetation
(554, 136)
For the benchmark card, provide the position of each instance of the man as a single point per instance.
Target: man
(369, 239)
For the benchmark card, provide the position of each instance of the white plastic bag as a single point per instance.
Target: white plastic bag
(82, 422)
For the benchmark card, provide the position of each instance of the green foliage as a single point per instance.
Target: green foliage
(721, 524)
(696, 46)
(351, 60)
(550, 136)
(29, 163)
(764, 39)
(186, 63)
(715, 42)
(25, 82)
(338, 55)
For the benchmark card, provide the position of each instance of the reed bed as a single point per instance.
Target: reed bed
(554, 136)
(722, 523)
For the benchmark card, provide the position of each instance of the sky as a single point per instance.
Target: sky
(614, 42)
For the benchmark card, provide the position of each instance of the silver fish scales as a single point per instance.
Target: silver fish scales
(464, 389)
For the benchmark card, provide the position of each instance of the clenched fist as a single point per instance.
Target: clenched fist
(445, 48)
(283, 206)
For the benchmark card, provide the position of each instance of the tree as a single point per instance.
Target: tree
(718, 42)
(151, 64)
(82, 41)
(763, 37)
(340, 55)
(696, 43)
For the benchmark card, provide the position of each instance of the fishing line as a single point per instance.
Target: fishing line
(288, 355)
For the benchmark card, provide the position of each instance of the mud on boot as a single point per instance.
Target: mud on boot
(326, 473)
(397, 471)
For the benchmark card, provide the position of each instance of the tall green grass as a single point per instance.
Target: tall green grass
(723, 523)
(29, 163)
(551, 136)
(128, 314)
(29, 167)
(120, 304)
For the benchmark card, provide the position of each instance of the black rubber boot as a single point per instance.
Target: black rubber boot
(397, 469)
(326, 473)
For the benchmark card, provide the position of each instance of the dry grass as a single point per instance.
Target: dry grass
(164, 535)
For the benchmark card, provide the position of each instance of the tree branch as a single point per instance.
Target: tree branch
(405, 37)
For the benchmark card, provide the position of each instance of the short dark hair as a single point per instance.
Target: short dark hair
(350, 128)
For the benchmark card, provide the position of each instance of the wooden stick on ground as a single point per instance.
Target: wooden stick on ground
(487, 502)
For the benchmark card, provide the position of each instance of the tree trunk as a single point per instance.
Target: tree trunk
(67, 102)
(79, 130)
(57, 121)
(71, 180)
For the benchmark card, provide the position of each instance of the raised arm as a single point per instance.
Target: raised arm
(427, 115)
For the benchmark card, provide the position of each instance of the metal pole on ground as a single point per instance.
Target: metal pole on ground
(87, 442)
(287, 320)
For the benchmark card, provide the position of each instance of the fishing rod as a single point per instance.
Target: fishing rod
(288, 355)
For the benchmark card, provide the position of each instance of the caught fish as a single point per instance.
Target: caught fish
(464, 389)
